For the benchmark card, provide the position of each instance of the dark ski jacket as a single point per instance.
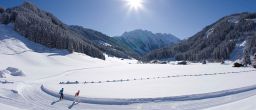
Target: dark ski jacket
(61, 91)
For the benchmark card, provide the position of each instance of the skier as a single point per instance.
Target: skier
(76, 99)
(61, 93)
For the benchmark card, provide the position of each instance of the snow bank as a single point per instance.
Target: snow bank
(11, 71)
(117, 101)
(2, 74)
(15, 71)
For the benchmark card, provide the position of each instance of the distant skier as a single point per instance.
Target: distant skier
(76, 99)
(61, 93)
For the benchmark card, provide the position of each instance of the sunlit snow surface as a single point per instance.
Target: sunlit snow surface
(116, 80)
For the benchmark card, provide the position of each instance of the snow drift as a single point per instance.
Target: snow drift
(11, 71)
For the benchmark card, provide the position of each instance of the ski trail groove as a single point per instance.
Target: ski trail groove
(120, 101)
(154, 78)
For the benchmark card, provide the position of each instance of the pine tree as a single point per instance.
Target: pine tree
(222, 61)
(246, 59)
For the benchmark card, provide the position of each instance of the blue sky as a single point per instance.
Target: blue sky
(182, 18)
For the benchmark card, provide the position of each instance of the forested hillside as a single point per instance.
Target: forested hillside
(225, 39)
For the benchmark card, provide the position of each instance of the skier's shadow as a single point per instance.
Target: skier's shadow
(74, 103)
(55, 102)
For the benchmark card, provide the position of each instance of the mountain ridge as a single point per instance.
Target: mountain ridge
(143, 41)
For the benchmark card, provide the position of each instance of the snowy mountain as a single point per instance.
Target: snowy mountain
(225, 39)
(103, 42)
(143, 41)
(44, 28)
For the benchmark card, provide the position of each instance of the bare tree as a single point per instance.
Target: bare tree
(254, 61)
(1, 9)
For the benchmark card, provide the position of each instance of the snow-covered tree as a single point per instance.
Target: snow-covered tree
(254, 61)
(246, 59)
(1, 9)
(204, 62)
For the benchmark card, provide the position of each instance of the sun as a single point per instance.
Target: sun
(135, 4)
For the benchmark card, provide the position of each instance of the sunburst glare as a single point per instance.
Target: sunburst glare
(135, 5)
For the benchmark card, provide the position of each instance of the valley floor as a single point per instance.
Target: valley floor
(116, 84)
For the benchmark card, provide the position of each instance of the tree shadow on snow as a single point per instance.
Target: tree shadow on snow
(74, 103)
(63, 53)
(55, 102)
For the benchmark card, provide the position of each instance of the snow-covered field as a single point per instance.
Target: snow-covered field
(151, 80)
(116, 84)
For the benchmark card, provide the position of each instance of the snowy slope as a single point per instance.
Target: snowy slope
(237, 53)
